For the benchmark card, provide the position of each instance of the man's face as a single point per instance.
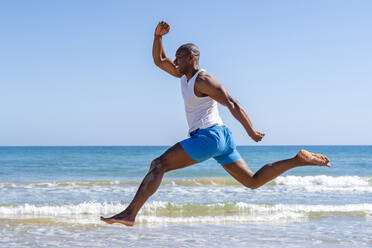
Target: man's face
(182, 60)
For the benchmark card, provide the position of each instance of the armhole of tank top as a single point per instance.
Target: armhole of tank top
(193, 88)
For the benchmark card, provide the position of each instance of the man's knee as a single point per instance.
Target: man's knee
(254, 186)
(155, 164)
(159, 163)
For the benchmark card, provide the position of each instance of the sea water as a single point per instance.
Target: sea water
(54, 196)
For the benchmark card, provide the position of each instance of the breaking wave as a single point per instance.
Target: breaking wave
(321, 180)
(168, 212)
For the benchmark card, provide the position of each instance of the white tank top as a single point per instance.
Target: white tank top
(201, 112)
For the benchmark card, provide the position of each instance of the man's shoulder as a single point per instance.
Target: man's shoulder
(203, 77)
(206, 83)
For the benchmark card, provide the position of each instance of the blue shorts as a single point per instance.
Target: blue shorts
(213, 142)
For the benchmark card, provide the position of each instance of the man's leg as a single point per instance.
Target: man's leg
(241, 171)
(174, 158)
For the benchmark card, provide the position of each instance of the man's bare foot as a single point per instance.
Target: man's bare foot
(118, 219)
(313, 158)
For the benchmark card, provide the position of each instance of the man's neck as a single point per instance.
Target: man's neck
(192, 72)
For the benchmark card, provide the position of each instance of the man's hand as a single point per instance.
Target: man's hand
(162, 28)
(257, 136)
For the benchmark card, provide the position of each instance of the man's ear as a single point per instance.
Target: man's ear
(192, 56)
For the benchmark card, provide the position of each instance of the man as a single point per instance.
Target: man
(208, 136)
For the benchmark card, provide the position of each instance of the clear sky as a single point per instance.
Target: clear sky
(81, 72)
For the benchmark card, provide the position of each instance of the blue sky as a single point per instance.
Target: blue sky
(81, 72)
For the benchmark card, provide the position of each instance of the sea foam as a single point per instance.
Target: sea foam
(167, 212)
(322, 180)
(207, 182)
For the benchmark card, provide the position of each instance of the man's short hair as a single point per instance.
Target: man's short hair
(191, 48)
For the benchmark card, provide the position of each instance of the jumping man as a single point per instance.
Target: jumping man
(209, 137)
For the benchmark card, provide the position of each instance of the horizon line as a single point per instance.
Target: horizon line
(157, 145)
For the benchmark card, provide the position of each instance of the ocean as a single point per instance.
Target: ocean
(54, 196)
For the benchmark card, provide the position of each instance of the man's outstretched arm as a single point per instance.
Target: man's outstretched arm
(158, 53)
(210, 86)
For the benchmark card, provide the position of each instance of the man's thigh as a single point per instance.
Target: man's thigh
(175, 158)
